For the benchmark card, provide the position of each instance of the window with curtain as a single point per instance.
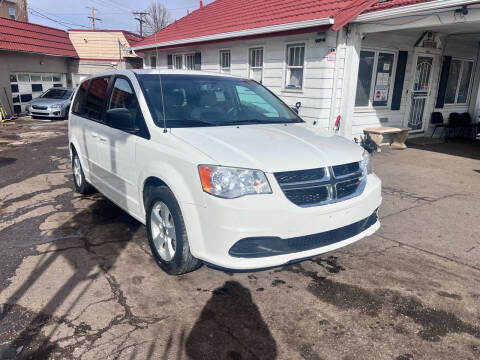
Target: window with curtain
(190, 61)
(295, 66)
(225, 61)
(459, 80)
(256, 64)
(178, 62)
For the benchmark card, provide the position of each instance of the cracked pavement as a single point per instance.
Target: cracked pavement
(77, 280)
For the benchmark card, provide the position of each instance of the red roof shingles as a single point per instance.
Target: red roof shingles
(28, 37)
(223, 16)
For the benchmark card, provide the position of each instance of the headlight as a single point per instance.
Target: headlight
(232, 183)
(56, 106)
(367, 162)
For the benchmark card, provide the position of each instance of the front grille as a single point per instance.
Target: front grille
(38, 107)
(315, 187)
(345, 170)
(347, 188)
(290, 177)
(308, 196)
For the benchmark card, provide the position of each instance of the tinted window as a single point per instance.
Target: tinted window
(37, 87)
(26, 97)
(123, 97)
(96, 97)
(193, 101)
(77, 107)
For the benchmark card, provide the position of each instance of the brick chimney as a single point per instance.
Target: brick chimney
(201, 4)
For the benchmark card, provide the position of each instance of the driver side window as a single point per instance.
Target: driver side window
(123, 97)
(248, 97)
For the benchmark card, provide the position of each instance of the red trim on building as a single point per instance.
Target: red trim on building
(351, 12)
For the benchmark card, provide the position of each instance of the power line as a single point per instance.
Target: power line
(60, 22)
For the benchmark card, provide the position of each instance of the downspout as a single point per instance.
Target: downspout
(333, 103)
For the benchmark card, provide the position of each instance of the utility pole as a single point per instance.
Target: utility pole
(140, 14)
(92, 9)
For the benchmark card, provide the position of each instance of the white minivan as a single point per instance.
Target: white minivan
(219, 169)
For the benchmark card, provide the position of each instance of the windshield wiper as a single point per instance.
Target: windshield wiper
(257, 121)
(188, 123)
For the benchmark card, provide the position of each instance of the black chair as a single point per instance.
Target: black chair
(437, 120)
(455, 121)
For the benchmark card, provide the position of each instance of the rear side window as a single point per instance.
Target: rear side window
(77, 107)
(96, 97)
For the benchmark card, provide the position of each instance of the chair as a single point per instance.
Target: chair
(437, 120)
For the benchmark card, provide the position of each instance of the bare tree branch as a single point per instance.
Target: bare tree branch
(157, 18)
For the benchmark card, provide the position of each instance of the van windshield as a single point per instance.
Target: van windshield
(202, 100)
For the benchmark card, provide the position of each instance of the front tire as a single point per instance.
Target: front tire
(81, 184)
(167, 235)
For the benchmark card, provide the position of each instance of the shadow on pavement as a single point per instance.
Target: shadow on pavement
(32, 340)
(231, 327)
(461, 147)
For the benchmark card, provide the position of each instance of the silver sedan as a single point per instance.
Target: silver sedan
(53, 103)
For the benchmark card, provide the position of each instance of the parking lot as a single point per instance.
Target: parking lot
(77, 280)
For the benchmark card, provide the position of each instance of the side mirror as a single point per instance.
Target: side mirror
(121, 119)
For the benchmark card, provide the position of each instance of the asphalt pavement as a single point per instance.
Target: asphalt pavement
(77, 280)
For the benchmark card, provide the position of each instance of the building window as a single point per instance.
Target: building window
(178, 62)
(459, 80)
(190, 62)
(225, 61)
(295, 65)
(11, 13)
(153, 62)
(256, 64)
(374, 78)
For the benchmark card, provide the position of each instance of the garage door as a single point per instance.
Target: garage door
(28, 86)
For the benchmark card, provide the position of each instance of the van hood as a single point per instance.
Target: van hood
(272, 147)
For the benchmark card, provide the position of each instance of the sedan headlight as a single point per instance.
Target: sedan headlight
(367, 162)
(232, 183)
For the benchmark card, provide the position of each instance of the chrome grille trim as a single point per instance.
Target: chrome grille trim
(329, 190)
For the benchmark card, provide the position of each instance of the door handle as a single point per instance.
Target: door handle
(103, 139)
(93, 135)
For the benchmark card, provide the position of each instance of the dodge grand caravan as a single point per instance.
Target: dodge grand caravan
(219, 169)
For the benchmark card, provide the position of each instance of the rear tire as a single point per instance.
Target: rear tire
(167, 235)
(81, 184)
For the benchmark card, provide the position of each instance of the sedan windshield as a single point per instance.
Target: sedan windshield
(202, 100)
(57, 94)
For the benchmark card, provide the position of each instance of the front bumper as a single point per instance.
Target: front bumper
(293, 232)
(50, 113)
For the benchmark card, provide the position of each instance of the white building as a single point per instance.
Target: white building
(390, 63)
